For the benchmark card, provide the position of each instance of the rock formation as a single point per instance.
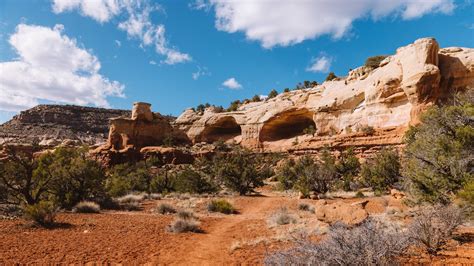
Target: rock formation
(384, 100)
(138, 136)
(50, 125)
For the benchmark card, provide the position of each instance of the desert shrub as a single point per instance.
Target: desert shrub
(305, 207)
(467, 193)
(128, 177)
(130, 206)
(18, 179)
(311, 130)
(41, 213)
(382, 171)
(286, 90)
(184, 225)
(234, 106)
(255, 98)
(371, 243)
(287, 175)
(129, 198)
(189, 180)
(164, 208)
(315, 176)
(374, 61)
(221, 205)
(76, 177)
(348, 167)
(163, 182)
(272, 94)
(439, 158)
(433, 226)
(360, 194)
(331, 76)
(238, 170)
(185, 215)
(367, 130)
(86, 207)
(281, 217)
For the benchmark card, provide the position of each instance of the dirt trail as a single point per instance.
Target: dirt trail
(213, 247)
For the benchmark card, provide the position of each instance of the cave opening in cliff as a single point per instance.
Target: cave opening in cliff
(287, 125)
(224, 129)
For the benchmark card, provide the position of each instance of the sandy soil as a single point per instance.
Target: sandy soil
(141, 237)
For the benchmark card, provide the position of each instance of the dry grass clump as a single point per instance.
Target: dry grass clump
(221, 206)
(165, 208)
(131, 198)
(86, 207)
(184, 225)
(433, 226)
(281, 217)
(186, 215)
(305, 207)
(371, 243)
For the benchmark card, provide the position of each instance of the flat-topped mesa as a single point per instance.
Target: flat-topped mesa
(143, 129)
(370, 108)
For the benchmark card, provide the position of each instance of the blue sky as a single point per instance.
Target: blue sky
(177, 54)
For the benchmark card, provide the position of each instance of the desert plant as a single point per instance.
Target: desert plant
(130, 206)
(438, 158)
(185, 215)
(192, 181)
(311, 130)
(221, 205)
(184, 225)
(315, 176)
(255, 98)
(367, 130)
(86, 207)
(382, 171)
(348, 167)
(281, 217)
(273, 93)
(131, 198)
(165, 208)
(467, 193)
(374, 61)
(238, 170)
(433, 226)
(359, 194)
(331, 76)
(287, 175)
(128, 177)
(234, 106)
(305, 207)
(41, 213)
(371, 243)
(286, 90)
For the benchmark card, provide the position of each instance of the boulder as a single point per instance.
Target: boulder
(339, 211)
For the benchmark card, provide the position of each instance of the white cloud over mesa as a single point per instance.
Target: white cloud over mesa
(138, 25)
(321, 64)
(52, 67)
(283, 23)
(232, 84)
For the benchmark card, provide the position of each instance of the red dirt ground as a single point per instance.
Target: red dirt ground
(141, 238)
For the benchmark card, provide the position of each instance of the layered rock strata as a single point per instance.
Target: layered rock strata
(368, 109)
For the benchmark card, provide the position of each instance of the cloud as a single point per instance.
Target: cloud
(202, 71)
(321, 64)
(232, 84)
(118, 43)
(52, 67)
(138, 24)
(283, 23)
(152, 62)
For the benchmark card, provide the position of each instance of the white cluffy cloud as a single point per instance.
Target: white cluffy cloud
(232, 84)
(52, 67)
(138, 25)
(321, 64)
(289, 22)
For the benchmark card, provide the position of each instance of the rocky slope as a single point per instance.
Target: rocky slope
(51, 125)
(368, 109)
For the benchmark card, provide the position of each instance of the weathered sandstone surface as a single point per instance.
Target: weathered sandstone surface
(386, 99)
(50, 125)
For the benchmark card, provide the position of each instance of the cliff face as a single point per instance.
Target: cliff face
(368, 108)
(52, 124)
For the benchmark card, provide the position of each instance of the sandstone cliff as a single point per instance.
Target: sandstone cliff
(367, 109)
(50, 125)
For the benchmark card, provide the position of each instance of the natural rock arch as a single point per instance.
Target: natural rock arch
(224, 128)
(287, 125)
